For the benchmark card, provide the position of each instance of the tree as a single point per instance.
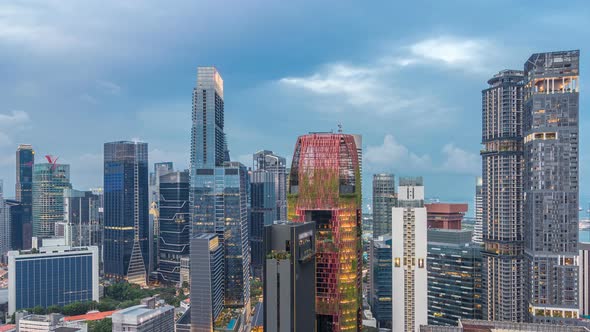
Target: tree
(103, 325)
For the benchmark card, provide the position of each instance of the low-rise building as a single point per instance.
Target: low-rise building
(141, 318)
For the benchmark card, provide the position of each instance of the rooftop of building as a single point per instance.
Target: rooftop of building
(139, 313)
(90, 316)
(7, 327)
(446, 208)
(52, 250)
(459, 237)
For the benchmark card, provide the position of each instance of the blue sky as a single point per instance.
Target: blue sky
(407, 76)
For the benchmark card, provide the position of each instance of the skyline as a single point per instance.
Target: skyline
(67, 91)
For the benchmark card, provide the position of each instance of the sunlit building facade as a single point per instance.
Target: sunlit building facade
(49, 182)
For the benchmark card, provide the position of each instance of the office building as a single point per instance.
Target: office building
(380, 280)
(207, 281)
(491, 326)
(384, 199)
(289, 273)
(502, 162)
(325, 187)
(25, 161)
(584, 279)
(219, 188)
(81, 215)
(478, 211)
(126, 247)
(409, 252)
(174, 224)
(17, 226)
(262, 213)
(49, 182)
(551, 185)
(5, 243)
(268, 161)
(52, 276)
(142, 318)
(161, 168)
(454, 277)
(445, 215)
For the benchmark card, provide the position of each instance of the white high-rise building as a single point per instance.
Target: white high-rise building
(478, 226)
(409, 253)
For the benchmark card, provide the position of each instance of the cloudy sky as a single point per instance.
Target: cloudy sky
(407, 76)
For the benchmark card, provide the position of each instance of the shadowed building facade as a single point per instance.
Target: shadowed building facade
(325, 187)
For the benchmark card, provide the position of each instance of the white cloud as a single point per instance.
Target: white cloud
(394, 155)
(460, 161)
(109, 87)
(11, 123)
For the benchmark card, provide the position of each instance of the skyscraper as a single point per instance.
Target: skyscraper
(454, 277)
(160, 169)
(262, 213)
(219, 188)
(584, 279)
(384, 200)
(445, 215)
(277, 166)
(25, 160)
(478, 207)
(126, 248)
(289, 273)
(5, 238)
(325, 187)
(49, 182)
(174, 224)
(380, 283)
(502, 162)
(206, 281)
(81, 213)
(551, 185)
(409, 252)
(17, 231)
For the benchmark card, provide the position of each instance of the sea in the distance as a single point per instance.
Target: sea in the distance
(585, 235)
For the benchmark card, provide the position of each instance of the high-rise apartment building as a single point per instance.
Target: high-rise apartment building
(174, 224)
(380, 280)
(325, 187)
(25, 161)
(219, 188)
(551, 186)
(262, 213)
(384, 199)
(289, 275)
(584, 279)
(409, 252)
(126, 247)
(207, 281)
(49, 182)
(502, 163)
(454, 277)
(478, 211)
(277, 166)
(52, 276)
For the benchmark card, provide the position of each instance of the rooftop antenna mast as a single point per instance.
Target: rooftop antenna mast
(339, 128)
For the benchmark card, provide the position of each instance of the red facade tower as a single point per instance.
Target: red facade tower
(325, 187)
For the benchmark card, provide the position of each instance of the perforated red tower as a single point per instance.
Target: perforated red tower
(325, 187)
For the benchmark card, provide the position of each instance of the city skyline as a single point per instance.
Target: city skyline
(127, 92)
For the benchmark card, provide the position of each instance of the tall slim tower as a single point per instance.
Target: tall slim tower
(325, 187)
(219, 188)
(126, 208)
(502, 163)
(478, 207)
(5, 226)
(25, 160)
(262, 213)
(268, 161)
(384, 200)
(49, 182)
(409, 253)
(551, 185)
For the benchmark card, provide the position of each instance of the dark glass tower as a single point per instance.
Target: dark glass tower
(25, 160)
(277, 166)
(126, 247)
(384, 199)
(174, 223)
(551, 185)
(262, 213)
(502, 162)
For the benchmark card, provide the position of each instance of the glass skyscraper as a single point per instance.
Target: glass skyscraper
(380, 283)
(219, 188)
(25, 160)
(49, 182)
(384, 199)
(126, 247)
(551, 186)
(277, 166)
(174, 220)
(262, 213)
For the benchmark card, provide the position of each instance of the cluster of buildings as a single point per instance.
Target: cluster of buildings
(298, 230)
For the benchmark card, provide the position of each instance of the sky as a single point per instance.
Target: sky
(406, 75)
